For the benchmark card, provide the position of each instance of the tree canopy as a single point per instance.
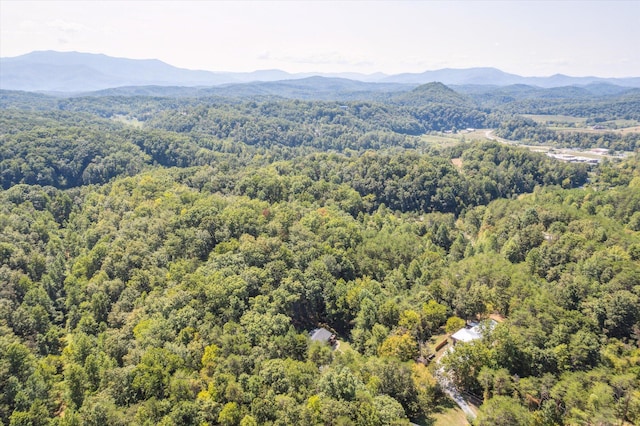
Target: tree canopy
(162, 261)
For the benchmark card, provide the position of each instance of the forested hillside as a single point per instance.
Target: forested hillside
(163, 261)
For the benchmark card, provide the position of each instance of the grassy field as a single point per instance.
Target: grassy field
(436, 339)
(446, 139)
(440, 139)
(625, 123)
(634, 129)
(542, 119)
(579, 124)
(447, 414)
(343, 346)
(132, 122)
(453, 416)
(457, 162)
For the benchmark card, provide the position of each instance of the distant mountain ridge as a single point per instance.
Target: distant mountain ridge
(308, 88)
(51, 71)
(495, 77)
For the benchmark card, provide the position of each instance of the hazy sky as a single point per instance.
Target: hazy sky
(524, 37)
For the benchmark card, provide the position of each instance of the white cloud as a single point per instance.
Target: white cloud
(67, 26)
(28, 25)
(327, 58)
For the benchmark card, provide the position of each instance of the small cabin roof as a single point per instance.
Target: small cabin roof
(321, 334)
(466, 335)
(473, 332)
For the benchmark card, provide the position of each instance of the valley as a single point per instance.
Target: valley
(166, 253)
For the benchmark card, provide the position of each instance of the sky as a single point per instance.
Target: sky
(529, 38)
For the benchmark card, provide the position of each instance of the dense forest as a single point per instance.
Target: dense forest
(163, 260)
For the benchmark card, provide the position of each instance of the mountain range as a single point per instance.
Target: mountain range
(73, 72)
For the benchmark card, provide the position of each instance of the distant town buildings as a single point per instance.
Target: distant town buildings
(595, 155)
(568, 158)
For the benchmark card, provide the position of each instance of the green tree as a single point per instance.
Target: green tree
(339, 384)
(454, 324)
(403, 347)
(76, 383)
(230, 415)
(503, 411)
